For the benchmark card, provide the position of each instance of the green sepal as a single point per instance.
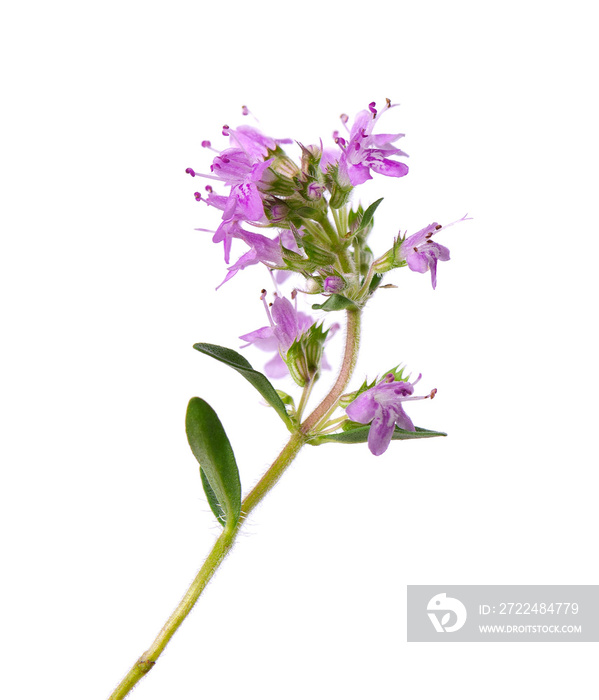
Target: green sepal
(360, 434)
(336, 302)
(305, 354)
(318, 255)
(296, 262)
(255, 378)
(218, 469)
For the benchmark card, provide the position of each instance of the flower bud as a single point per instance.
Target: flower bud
(333, 285)
(305, 355)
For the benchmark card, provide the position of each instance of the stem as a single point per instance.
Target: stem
(220, 550)
(226, 540)
(329, 229)
(352, 343)
(367, 280)
(304, 399)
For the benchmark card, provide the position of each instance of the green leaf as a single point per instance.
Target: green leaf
(255, 378)
(368, 214)
(375, 282)
(355, 435)
(336, 302)
(218, 469)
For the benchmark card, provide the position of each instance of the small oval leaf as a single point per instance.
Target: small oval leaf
(336, 302)
(356, 435)
(255, 378)
(218, 469)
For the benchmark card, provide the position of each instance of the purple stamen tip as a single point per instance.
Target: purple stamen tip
(371, 107)
(206, 144)
(226, 130)
(244, 110)
(198, 196)
(190, 171)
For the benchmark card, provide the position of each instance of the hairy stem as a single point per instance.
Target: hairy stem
(227, 538)
(304, 399)
(352, 343)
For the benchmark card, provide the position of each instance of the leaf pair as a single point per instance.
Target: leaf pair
(210, 444)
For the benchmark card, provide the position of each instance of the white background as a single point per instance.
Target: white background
(106, 286)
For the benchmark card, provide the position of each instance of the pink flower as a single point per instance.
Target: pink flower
(366, 151)
(287, 324)
(382, 407)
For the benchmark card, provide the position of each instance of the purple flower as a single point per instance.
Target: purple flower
(253, 142)
(262, 249)
(421, 253)
(287, 324)
(366, 151)
(243, 168)
(235, 168)
(382, 404)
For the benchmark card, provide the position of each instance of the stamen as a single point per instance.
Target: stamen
(266, 306)
(244, 110)
(190, 171)
(432, 394)
(226, 128)
(371, 107)
(198, 196)
(438, 226)
(206, 144)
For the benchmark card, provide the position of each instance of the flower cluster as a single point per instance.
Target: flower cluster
(295, 216)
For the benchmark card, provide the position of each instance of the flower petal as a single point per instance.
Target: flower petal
(362, 409)
(391, 168)
(285, 318)
(402, 419)
(276, 368)
(381, 431)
